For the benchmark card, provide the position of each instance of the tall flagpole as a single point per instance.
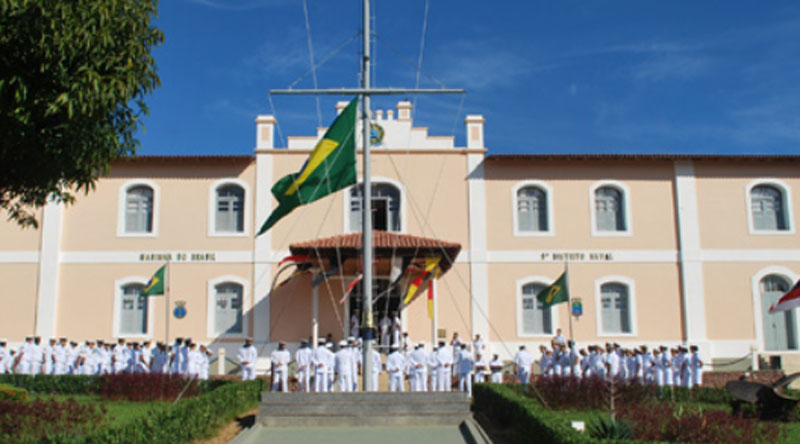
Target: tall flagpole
(366, 234)
(166, 304)
(569, 298)
(368, 324)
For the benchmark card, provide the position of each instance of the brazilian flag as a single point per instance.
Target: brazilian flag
(331, 167)
(555, 293)
(155, 286)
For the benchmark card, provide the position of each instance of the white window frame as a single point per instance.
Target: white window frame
(211, 304)
(375, 181)
(212, 208)
(598, 306)
(626, 197)
(786, 192)
(758, 316)
(555, 311)
(118, 284)
(122, 204)
(515, 211)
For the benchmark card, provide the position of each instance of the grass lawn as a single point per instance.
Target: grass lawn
(118, 412)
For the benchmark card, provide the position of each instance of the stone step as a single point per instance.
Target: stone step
(370, 409)
(363, 409)
(330, 420)
(358, 397)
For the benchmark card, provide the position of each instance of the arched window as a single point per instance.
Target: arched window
(536, 320)
(768, 208)
(139, 209)
(228, 298)
(229, 209)
(780, 327)
(609, 207)
(615, 308)
(385, 207)
(133, 311)
(532, 209)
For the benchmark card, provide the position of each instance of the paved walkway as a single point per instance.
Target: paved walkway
(360, 435)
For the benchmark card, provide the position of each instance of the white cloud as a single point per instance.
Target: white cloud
(482, 65)
(672, 67)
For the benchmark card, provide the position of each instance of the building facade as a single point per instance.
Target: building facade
(659, 248)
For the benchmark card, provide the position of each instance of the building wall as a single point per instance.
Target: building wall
(690, 256)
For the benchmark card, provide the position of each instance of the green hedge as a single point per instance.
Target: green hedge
(188, 420)
(78, 384)
(528, 420)
(60, 384)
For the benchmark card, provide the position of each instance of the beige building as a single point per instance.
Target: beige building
(661, 248)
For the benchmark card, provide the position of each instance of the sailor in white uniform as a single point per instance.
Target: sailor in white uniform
(47, 353)
(355, 323)
(385, 326)
(465, 365)
(303, 358)
(319, 360)
(344, 367)
(60, 357)
(496, 367)
(444, 360)
(480, 367)
(395, 366)
(5, 357)
(280, 367)
(523, 361)
(36, 356)
(696, 366)
(418, 361)
(397, 327)
(376, 369)
(247, 359)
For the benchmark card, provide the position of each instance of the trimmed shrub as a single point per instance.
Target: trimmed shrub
(145, 387)
(61, 384)
(12, 394)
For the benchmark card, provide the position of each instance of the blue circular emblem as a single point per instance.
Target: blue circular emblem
(179, 312)
(376, 134)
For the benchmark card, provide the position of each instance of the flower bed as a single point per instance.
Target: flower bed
(12, 394)
(68, 422)
(649, 419)
(38, 421)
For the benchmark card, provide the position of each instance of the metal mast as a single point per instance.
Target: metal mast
(368, 334)
(368, 330)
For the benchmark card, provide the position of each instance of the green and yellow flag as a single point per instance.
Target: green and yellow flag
(331, 167)
(155, 286)
(555, 293)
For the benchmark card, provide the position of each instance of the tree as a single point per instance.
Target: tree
(73, 75)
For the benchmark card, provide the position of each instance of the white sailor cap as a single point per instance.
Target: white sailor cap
(329, 344)
(3, 340)
(351, 338)
(342, 343)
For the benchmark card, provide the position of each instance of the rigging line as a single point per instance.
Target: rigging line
(311, 60)
(324, 60)
(421, 53)
(277, 122)
(408, 61)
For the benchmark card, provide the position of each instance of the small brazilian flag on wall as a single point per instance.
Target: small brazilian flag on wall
(155, 286)
(555, 293)
(329, 168)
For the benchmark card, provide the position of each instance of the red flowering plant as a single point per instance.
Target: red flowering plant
(38, 420)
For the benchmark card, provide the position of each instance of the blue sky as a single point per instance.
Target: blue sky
(550, 77)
